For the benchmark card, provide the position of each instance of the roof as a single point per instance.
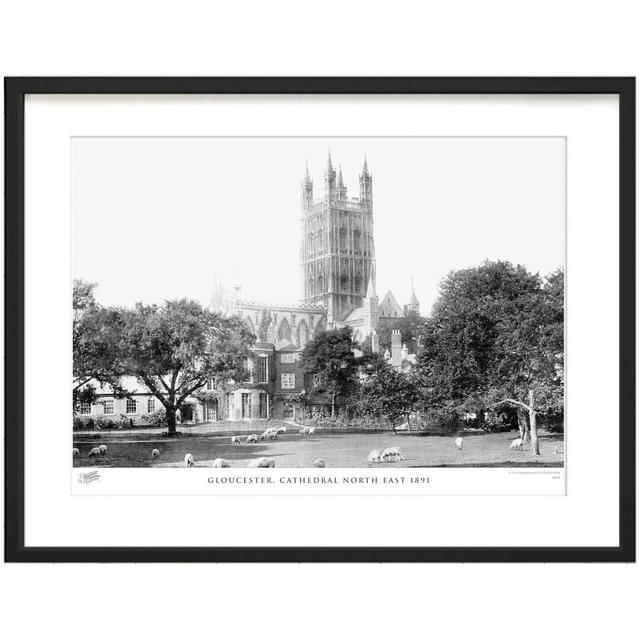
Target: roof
(354, 315)
(389, 307)
(286, 345)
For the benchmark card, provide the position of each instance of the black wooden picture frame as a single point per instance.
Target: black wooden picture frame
(15, 91)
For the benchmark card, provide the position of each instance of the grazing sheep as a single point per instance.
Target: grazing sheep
(103, 449)
(235, 440)
(219, 463)
(94, 452)
(282, 429)
(252, 438)
(319, 463)
(189, 460)
(392, 453)
(302, 431)
(75, 452)
(262, 463)
(311, 430)
(374, 456)
(516, 444)
(155, 453)
(459, 443)
(272, 435)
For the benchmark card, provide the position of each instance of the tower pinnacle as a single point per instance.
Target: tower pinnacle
(414, 303)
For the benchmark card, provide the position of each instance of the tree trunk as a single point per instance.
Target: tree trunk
(408, 422)
(333, 404)
(523, 424)
(535, 448)
(171, 421)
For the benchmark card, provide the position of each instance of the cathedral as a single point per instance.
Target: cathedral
(337, 270)
(337, 289)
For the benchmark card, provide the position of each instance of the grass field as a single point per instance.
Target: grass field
(337, 450)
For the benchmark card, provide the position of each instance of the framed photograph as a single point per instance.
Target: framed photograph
(320, 319)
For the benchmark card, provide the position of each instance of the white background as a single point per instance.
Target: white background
(191, 38)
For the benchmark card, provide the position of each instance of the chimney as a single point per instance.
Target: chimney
(396, 348)
(375, 342)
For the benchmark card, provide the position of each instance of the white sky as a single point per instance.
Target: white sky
(159, 218)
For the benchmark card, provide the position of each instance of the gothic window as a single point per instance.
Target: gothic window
(310, 292)
(303, 334)
(250, 325)
(320, 327)
(356, 240)
(357, 285)
(320, 284)
(284, 331)
(311, 242)
(320, 239)
(343, 239)
(343, 282)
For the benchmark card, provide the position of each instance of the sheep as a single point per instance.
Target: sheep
(319, 463)
(155, 453)
(235, 440)
(94, 452)
(262, 463)
(302, 431)
(103, 449)
(516, 444)
(189, 460)
(459, 443)
(252, 438)
(75, 452)
(311, 430)
(282, 429)
(219, 463)
(374, 456)
(392, 453)
(272, 435)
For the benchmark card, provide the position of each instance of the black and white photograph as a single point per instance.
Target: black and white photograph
(318, 302)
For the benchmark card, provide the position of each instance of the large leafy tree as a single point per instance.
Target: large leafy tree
(96, 344)
(529, 367)
(175, 348)
(330, 356)
(383, 392)
(495, 338)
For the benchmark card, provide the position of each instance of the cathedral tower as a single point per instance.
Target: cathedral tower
(337, 254)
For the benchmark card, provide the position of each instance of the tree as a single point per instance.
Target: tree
(411, 327)
(383, 391)
(495, 337)
(174, 349)
(529, 372)
(96, 339)
(330, 356)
